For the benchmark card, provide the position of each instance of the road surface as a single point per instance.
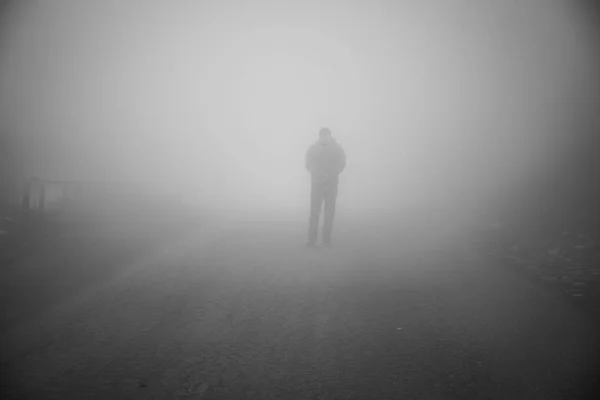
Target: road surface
(241, 310)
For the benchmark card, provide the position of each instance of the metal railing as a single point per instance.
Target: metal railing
(37, 196)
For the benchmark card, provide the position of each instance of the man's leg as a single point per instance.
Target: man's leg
(329, 213)
(316, 202)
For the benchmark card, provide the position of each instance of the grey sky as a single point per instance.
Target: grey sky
(435, 102)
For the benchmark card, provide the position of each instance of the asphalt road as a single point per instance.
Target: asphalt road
(241, 310)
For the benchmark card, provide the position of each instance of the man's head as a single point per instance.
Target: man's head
(325, 133)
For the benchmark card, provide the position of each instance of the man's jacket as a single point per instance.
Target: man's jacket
(325, 160)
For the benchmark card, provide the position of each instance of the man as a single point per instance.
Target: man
(325, 160)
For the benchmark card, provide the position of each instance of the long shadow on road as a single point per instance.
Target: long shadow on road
(244, 311)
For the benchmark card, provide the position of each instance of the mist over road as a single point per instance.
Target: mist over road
(133, 111)
(402, 309)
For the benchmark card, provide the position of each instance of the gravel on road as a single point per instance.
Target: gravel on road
(246, 312)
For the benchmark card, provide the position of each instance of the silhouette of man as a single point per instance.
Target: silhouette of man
(325, 160)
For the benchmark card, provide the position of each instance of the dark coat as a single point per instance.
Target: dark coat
(325, 160)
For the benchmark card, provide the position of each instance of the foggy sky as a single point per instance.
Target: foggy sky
(436, 103)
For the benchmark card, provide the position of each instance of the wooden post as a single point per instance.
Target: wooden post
(42, 196)
(25, 205)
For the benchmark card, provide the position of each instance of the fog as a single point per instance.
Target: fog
(438, 104)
